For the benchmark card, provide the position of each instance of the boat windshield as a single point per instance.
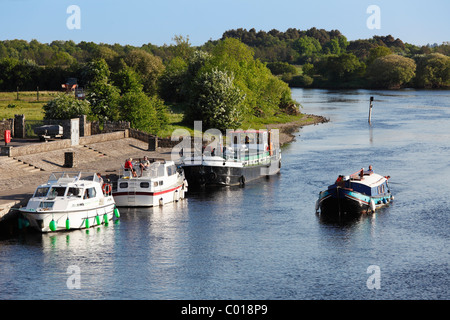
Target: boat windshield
(57, 192)
(41, 191)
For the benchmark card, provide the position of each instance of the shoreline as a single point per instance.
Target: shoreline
(288, 129)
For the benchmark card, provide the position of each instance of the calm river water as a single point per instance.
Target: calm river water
(264, 241)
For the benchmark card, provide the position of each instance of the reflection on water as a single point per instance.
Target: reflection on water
(264, 241)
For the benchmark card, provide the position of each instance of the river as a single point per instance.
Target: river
(265, 241)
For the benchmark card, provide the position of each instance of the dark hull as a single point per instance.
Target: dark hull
(204, 175)
(342, 202)
(343, 207)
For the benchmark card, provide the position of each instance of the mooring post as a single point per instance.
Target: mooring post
(370, 110)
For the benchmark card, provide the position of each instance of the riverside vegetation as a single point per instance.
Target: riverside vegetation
(241, 80)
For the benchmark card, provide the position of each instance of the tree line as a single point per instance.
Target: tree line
(219, 84)
(326, 59)
(245, 73)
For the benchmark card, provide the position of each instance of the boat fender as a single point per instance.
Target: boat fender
(86, 223)
(105, 218)
(52, 225)
(23, 223)
(97, 219)
(161, 201)
(242, 180)
(116, 212)
(372, 205)
(212, 176)
(317, 205)
(67, 224)
(176, 196)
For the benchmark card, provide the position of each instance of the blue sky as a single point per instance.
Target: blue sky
(138, 22)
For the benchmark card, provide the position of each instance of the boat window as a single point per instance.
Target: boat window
(161, 183)
(57, 192)
(74, 192)
(171, 170)
(41, 191)
(155, 183)
(46, 204)
(123, 185)
(90, 193)
(145, 185)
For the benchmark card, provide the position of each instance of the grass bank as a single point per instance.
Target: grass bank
(27, 104)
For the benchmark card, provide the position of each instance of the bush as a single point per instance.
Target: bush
(66, 106)
(143, 112)
(391, 71)
(433, 71)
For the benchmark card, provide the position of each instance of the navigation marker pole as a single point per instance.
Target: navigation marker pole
(370, 110)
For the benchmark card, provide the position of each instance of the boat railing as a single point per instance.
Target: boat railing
(237, 154)
(155, 170)
(72, 177)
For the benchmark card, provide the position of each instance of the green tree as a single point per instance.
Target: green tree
(307, 47)
(142, 111)
(433, 71)
(344, 67)
(127, 80)
(392, 71)
(172, 80)
(332, 47)
(148, 66)
(65, 106)
(378, 52)
(264, 93)
(104, 100)
(216, 101)
(102, 95)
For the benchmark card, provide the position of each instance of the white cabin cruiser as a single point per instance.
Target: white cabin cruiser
(159, 183)
(70, 200)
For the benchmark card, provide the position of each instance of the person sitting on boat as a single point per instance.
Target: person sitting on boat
(129, 166)
(144, 165)
(369, 172)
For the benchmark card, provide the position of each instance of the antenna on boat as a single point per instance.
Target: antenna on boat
(370, 110)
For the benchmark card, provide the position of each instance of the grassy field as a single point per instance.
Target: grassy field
(27, 104)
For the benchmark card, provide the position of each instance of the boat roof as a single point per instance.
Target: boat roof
(370, 180)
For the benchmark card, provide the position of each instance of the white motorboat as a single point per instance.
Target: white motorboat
(70, 200)
(160, 183)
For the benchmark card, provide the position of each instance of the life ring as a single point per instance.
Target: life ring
(106, 188)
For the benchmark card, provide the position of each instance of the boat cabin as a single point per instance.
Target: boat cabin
(365, 182)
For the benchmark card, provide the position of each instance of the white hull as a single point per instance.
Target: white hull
(70, 200)
(149, 199)
(161, 183)
(71, 219)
